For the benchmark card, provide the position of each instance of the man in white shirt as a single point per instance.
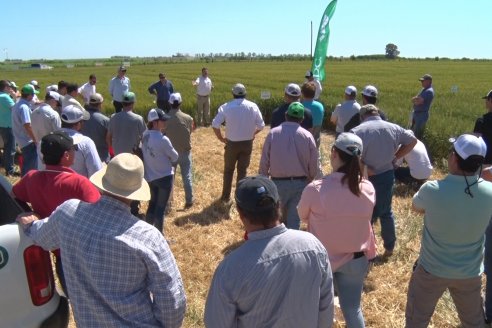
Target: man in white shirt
(310, 78)
(88, 89)
(204, 87)
(344, 111)
(118, 86)
(70, 97)
(243, 121)
(419, 167)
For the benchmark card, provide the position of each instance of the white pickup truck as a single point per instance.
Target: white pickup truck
(28, 297)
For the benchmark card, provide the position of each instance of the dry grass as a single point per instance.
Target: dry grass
(200, 237)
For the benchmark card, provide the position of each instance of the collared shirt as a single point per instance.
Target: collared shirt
(110, 253)
(278, 278)
(242, 118)
(418, 162)
(178, 130)
(289, 151)
(44, 120)
(317, 111)
(96, 128)
(21, 114)
(69, 100)
(454, 226)
(344, 112)
(428, 95)
(203, 86)
(338, 218)
(117, 87)
(6, 104)
(381, 140)
(163, 90)
(87, 90)
(87, 161)
(278, 117)
(126, 130)
(158, 155)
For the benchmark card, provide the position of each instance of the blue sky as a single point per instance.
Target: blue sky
(98, 29)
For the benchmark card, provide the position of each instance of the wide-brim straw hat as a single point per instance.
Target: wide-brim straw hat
(123, 177)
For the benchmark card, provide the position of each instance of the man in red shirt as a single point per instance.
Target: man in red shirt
(47, 189)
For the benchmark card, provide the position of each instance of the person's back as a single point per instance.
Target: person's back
(96, 128)
(178, 130)
(126, 129)
(419, 162)
(240, 115)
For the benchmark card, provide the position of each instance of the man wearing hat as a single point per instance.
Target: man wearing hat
(278, 278)
(483, 127)
(6, 105)
(162, 90)
(45, 119)
(310, 78)
(421, 106)
(34, 103)
(46, 189)
(179, 129)
(384, 144)
(345, 111)
(457, 211)
(110, 253)
(117, 88)
(87, 160)
(23, 133)
(290, 159)
(96, 127)
(292, 93)
(243, 120)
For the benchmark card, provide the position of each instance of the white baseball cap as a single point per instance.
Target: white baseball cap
(175, 97)
(467, 145)
(293, 90)
(370, 91)
(74, 114)
(55, 95)
(239, 89)
(351, 90)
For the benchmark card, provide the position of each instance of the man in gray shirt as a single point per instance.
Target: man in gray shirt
(344, 111)
(278, 278)
(96, 127)
(384, 143)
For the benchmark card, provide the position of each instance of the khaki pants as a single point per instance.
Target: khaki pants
(425, 290)
(203, 110)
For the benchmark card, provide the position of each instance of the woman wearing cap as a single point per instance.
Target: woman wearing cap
(338, 210)
(158, 156)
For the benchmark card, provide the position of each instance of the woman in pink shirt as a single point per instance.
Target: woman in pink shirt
(338, 210)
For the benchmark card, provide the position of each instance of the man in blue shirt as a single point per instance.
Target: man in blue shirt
(278, 278)
(421, 106)
(6, 104)
(162, 89)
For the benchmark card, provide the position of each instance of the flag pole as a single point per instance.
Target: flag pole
(311, 53)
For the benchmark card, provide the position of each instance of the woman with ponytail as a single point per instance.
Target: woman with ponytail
(338, 210)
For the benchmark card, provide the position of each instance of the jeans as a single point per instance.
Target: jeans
(118, 106)
(235, 152)
(290, 192)
(418, 124)
(185, 164)
(487, 262)
(160, 190)
(30, 157)
(8, 149)
(348, 281)
(383, 184)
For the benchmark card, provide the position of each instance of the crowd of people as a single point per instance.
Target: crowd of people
(77, 162)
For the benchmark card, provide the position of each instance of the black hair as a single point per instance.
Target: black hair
(239, 96)
(3, 85)
(71, 87)
(62, 84)
(370, 100)
(352, 170)
(68, 125)
(92, 76)
(264, 217)
(471, 164)
(51, 159)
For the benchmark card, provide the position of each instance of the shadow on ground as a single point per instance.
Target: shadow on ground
(214, 213)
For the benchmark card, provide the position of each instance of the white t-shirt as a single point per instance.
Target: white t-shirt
(87, 90)
(418, 162)
(203, 85)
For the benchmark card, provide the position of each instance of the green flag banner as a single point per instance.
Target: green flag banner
(318, 66)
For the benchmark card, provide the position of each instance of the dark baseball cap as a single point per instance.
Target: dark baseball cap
(252, 191)
(56, 143)
(488, 96)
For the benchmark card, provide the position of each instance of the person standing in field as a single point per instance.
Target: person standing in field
(96, 127)
(483, 127)
(338, 210)
(22, 129)
(120, 271)
(204, 87)
(457, 211)
(421, 106)
(87, 160)
(88, 89)
(292, 93)
(70, 97)
(345, 111)
(162, 90)
(6, 133)
(118, 86)
(178, 130)
(48, 188)
(243, 120)
(310, 78)
(278, 278)
(317, 111)
(290, 158)
(45, 119)
(384, 144)
(369, 97)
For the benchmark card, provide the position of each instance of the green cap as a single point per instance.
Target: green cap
(128, 97)
(28, 89)
(296, 109)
